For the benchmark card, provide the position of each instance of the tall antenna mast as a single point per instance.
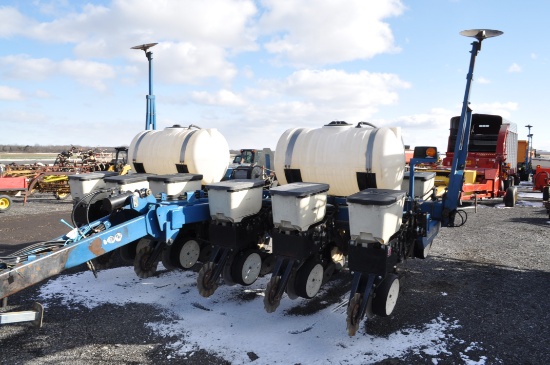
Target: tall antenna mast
(150, 113)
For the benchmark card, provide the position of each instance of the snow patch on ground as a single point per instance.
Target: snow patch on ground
(234, 325)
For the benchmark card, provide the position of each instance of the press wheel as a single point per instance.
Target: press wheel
(386, 296)
(205, 284)
(309, 279)
(246, 267)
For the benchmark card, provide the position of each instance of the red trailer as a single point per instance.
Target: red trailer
(10, 186)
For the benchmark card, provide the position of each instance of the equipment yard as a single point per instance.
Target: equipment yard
(481, 297)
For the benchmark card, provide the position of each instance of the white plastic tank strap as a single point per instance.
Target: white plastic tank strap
(290, 146)
(184, 146)
(370, 147)
(136, 147)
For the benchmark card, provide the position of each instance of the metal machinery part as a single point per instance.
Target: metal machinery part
(374, 265)
(238, 252)
(302, 258)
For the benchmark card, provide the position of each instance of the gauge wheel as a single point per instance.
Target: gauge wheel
(142, 265)
(226, 272)
(309, 279)
(422, 252)
(205, 284)
(386, 296)
(167, 258)
(5, 203)
(353, 321)
(188, 253)
(246, 267)
(290, 286)
(128, 252)
(511, 196)
(105, 261)
(271, 300)
(60, 196)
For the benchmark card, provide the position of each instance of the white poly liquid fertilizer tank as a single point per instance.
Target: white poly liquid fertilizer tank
(348, 158)
(181, 150)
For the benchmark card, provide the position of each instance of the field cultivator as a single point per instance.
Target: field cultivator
(54, 178)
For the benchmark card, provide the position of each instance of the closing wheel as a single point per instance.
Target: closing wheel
(511, 196)
(309, 279)
(386, 296)
(271, 300)
(5, 203)
(167, 258)
(246, 267)
(353, 320)
(142, 265)
(205, 284)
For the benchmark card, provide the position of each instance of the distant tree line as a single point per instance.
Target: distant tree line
(50, 148)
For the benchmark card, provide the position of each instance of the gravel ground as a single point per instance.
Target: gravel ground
(490, 275)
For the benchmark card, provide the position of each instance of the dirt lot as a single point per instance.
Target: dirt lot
(490, 276)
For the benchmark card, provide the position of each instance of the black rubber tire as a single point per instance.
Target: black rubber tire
(386, 296)
(546, 193)
(5, 203)
(305, 285)
(510, 197)
(517, 180)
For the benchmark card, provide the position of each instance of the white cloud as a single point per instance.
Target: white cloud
(534, 56)
(482, 80)
(514, 68)
(503, 109)
(26, 68)
(221, 98)
(89, 73)
(339, 88)
(318, 32)
(12, 22)
(92, 74)
(10, 93)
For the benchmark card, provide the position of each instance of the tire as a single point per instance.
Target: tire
(546, 193)
(517, 180)
(309, 279)
(386, 296)
(510, 197)
(185, 253)
(5, 203)
(246, 267)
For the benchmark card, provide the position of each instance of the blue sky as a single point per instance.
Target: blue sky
(253, 69)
